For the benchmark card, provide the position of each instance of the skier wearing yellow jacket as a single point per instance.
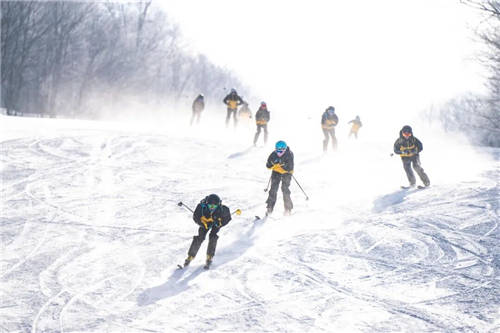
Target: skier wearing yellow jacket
(232, 100)
(261, 119)
(409, 147)
(328, 122)
(281, 162)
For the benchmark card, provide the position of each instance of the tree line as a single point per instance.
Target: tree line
(76, 58)
(479, 116)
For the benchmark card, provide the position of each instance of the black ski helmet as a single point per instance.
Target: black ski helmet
(213, 199)
(406, 129)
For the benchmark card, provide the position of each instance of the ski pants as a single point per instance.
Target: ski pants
(329, 133)
(259, 127)
(276, 178)
(196, 114)
(197, 240)
(415, 161)
(229, 113)
(353, 132)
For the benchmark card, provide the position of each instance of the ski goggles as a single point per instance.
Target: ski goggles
(212, 206)
(280, 150)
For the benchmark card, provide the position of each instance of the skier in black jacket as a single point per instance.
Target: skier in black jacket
(328, 122)
(198, 106)
(261, 119)
(210, 215)
(232, 100)
(409, 147)
(281, 162)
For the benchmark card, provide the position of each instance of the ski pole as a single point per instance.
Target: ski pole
(181, 204)
(307, 198)
(268, 183)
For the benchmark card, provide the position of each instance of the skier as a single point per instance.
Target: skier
(356, 124)
(232, 100)
(281, 162)
(409, 147)
(261, 119)
(211, 215)
(245, 111)
(328, 122)
(198, 106)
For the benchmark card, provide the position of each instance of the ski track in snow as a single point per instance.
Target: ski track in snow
(91, 236)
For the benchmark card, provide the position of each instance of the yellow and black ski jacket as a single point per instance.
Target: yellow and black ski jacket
(233, 101)
(262, 116)
(329, 121)
(204, 218)
(407, 147)
(281, 165)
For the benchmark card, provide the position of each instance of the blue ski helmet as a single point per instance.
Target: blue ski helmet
(281, 145)
(331, 110)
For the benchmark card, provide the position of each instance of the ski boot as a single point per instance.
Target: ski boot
(208, 262)
(188, 261)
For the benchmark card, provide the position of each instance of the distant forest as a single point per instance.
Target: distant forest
(73, 59)
(478, 117)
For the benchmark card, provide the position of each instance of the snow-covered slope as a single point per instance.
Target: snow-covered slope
(91, 233)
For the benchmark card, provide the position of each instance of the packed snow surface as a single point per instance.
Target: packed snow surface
(91, 233)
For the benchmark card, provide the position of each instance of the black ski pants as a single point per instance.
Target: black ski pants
(197, 240)
(259, 128)
(415, 161)
(196, 115)
(329, 133)
(229, 113)
(285, 180)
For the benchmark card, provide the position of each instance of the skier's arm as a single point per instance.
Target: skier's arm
(226, 216)
(270, 161)
(225, 99)
(397, 147)
(197, 215)
(419, 145)
(288, 165)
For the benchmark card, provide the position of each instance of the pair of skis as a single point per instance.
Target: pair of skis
(419, 187)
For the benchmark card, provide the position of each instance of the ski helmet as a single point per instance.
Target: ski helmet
(263, 104)
(233, 91)
(406, 129)
(213, 199)
(330, 109)
(281, 145)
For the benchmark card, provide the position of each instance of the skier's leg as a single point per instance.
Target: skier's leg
(197, 240)
(265, 133)
(212, 241)
(285, 188)
(420, 171)
(228, 116)
(235, 118)
(256, 135)
(198, 115)
(273, 192)
(408, 170)
(325, 141)
(334, 139)
(192, 119)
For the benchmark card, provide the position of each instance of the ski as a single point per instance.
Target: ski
(420, 187)
(406, 187)
(180, 267)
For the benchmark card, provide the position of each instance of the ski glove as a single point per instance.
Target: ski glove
(279, 168)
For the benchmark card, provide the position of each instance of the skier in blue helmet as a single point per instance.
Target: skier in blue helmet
(280, 161)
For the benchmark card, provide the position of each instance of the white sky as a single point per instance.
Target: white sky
(364, 57)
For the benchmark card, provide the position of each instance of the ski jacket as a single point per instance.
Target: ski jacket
(407, 147)
(198, 104)
(204, 218)
(329, 121)
(283, 164)
(262, 116)
(356, 124)
(245, 111)
(232, 101)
